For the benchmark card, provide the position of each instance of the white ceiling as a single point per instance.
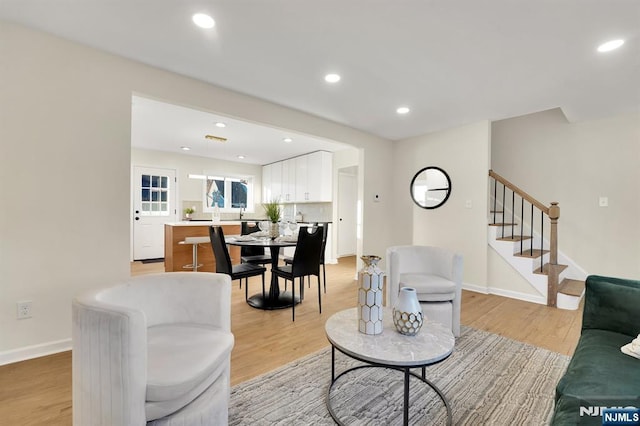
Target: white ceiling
(165, 127)
(451, 61)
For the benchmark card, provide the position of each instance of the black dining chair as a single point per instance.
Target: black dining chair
(305, 262)
(254, 255)
(325, 232)
(223, 261)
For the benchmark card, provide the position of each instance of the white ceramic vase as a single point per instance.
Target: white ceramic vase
(370, 282)
(407, 312)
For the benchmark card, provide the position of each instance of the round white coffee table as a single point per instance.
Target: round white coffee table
(390, 349)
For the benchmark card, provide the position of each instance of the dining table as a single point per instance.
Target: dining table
(274, 298)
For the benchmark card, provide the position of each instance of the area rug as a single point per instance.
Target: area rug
(488, 380)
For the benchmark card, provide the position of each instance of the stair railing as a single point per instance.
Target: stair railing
(552, 212)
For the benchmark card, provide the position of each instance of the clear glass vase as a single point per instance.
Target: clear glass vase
(215, 216)
(274, 230)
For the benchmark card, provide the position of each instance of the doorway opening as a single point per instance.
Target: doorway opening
(347, 198)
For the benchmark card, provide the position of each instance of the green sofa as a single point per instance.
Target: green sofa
(599, 374)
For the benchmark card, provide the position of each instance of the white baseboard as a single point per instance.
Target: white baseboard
(505, 293)
(35, 351)
(475, 288)
(519, 296)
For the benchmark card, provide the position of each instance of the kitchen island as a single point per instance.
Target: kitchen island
(177, 256)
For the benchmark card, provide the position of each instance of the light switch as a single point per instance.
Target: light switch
(468, 204)
(604, 202)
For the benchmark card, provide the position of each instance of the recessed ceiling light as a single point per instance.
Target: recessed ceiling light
(287, 140)
(403, 110)
(610, 45)
(332, 78)
(203, 20)
(220, 124)
(241, 157)
(185, 148)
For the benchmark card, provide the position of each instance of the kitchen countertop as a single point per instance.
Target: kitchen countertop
(206, 222)
(223, 222)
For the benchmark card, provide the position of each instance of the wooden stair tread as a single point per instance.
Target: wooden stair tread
(545, 269)
(571, 287)
(502, 224)
(532, 254)
(514, 238)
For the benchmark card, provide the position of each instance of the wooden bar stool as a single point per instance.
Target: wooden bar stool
(195, 241)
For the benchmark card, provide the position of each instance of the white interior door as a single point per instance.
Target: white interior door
(347, 202)
(154, 204)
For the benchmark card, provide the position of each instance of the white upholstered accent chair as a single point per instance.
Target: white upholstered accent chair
(435, 273)
(154, 349)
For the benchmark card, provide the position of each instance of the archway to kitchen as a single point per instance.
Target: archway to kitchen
(198, 143)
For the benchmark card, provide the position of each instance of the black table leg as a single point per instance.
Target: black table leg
(274, 299)
(333, 363)
(406, 396)
(274, 290)
(407, 375)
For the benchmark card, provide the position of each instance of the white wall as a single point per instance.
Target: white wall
(463, 152)
(65, 172)
(192, 189)
(575, 164)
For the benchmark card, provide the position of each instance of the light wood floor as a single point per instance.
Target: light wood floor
(38, 392)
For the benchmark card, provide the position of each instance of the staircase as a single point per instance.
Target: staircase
(524, 232)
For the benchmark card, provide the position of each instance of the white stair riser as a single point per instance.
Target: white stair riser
(521, 264)
(569, 302)
(525, 266)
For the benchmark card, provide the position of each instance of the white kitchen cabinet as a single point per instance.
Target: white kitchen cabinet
(303, 179)
(271, 182)
(289, 180)
(302, 166)
(320, 179)
(266, 183)
(314, 177)
(276, 181)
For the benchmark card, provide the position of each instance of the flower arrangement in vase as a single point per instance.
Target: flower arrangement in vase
(273, 212)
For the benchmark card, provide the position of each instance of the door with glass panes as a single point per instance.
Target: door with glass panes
(153, 206)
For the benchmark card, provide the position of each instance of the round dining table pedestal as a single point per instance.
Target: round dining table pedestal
(273, 298)
(284, 300)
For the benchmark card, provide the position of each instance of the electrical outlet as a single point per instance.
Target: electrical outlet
(23, 309)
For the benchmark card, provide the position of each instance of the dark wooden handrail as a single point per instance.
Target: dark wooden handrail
(520, 192)
(553, 212)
